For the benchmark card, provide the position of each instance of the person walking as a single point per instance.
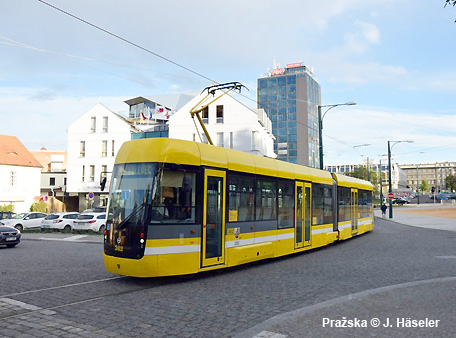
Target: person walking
(383, 207)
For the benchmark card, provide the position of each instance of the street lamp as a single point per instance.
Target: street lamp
(320, 125)
(390, 190)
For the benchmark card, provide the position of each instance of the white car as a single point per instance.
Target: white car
(27, 220)
(59, 221)
(90, 221)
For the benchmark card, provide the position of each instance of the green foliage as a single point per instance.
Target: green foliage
(424, 186)
(362, 173)
(8, 207)
(38, 207)
(450, 180)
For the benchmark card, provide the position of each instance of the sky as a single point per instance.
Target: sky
(394, 58)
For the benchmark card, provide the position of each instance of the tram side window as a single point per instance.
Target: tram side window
(365, 203)
(266, 200)
(344, 204)
(174, 200)
(322, 204)
(240, 199)
(286, 202)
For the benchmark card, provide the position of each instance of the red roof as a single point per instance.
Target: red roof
(13, 152)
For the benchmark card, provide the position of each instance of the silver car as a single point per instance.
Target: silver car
(27, 220)
(59, 221)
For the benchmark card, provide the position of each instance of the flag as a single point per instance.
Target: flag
(167, 113)
(150, 113)
(160, 109)
(142, 116)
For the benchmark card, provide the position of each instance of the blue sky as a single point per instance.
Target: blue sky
(395, 58)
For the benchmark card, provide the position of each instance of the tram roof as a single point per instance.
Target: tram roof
(349, 181)
(200, 154)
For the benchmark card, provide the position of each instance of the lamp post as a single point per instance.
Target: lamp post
(390, 188)
(320, 125)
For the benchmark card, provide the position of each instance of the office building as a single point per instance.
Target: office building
(291, 96)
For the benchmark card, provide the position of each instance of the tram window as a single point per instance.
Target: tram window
(240, 199)
(286, 202)
(322, 204)
(365, 203)
(344, 204)
(266, 199)
(174, 200)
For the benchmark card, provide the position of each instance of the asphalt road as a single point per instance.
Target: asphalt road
(60, 289)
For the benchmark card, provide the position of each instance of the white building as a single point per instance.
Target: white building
(229, 123)
(19, 174)
(93, 142)
(53, 177)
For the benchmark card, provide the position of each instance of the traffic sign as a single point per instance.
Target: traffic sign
(390, 195)
(91, 195)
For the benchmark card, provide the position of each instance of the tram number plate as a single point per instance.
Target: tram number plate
(119, 248)
(10, 238)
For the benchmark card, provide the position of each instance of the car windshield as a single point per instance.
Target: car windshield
(19, 216)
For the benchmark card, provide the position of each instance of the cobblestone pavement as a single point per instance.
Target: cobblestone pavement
(36, 302)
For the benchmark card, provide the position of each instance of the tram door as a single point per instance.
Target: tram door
(354, 211)
(303, 214)
(213, 240)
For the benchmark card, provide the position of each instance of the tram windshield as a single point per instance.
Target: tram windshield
(148, 193)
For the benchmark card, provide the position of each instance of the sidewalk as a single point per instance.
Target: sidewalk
(65, 237)
(409, 215)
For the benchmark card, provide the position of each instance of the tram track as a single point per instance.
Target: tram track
(47, 300)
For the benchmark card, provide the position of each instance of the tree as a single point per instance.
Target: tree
(362, 173)
(424, 186)
(451, 3)
(450, 180)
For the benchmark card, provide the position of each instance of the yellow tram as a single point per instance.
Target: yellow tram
(179, 207)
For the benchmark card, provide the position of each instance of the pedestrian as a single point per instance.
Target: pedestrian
(383, 207)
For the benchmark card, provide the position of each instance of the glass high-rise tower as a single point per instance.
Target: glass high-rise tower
(291, 96)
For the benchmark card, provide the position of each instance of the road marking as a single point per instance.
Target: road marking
(67, 239)
(269, 334)
(446, 257)
(63, 286)
(24, 306)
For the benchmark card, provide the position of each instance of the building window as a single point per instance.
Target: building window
(231, 140)
(92, 173)
(254, 140)
(220, 139)
(82, 149)
(205, 115)
(105, 124)
(83, 173)
(104, 171)
(13, 178)
(205, 140)
(219, 114)
(52, 181)
(93, 124)
(104, 148)
(113, 152)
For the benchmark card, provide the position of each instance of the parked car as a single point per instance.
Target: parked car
(441, 196)
(27, 220)
(6, 214)
(400, 200)
(90, 221)
(59, 221)
(94, 210)
(9, 236)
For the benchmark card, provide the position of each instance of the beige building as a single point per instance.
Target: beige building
(434, 173)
